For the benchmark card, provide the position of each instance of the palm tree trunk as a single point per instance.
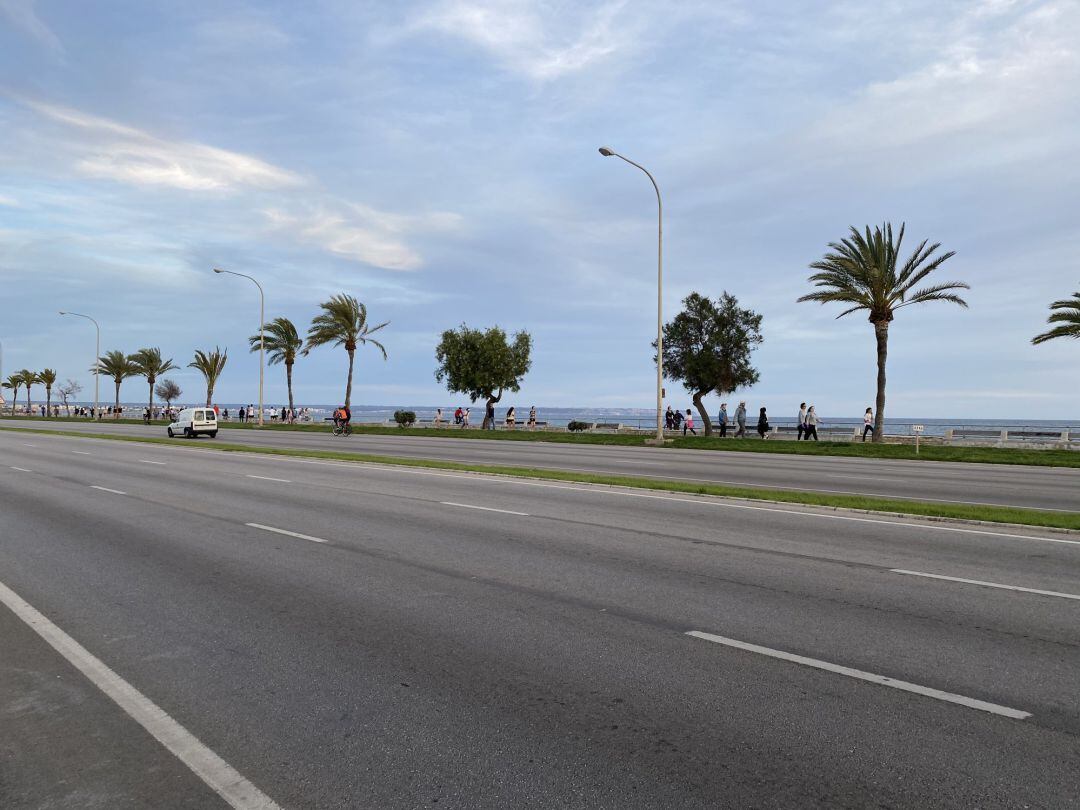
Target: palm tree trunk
(209, 394)
(704, 413)
(151, 405)
(48, 400)
(348, 385)
(29, 407)
(116, 409)
(881, 332)
(288, 380)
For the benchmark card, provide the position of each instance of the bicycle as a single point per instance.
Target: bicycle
(342, 429)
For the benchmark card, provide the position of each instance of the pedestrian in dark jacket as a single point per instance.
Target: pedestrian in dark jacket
(763, 424)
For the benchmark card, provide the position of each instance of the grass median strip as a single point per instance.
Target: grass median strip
(992, 514)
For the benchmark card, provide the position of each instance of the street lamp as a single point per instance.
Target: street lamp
(262, 339)
(607, 151)
(97, 355)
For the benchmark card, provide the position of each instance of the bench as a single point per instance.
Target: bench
(606, 426)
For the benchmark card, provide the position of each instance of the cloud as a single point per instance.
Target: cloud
(109, 150)
(540, 41)
(23, 13)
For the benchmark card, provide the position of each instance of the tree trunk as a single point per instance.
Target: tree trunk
(288, 379)
(48, 400)
(881, 332)
(14, 398)
(491, 400)
(29, 407)
(151, 406)
(116, 410)
(348, 385)
(704, 413)
(209, 394)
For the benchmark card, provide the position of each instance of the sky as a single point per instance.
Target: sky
(438, 160)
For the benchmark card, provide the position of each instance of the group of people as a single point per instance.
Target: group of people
(675, 419)
(461, 417)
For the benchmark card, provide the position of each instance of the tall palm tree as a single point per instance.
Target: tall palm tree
(150, 365)
(13, 383)
(1067, 313)
(29, 378)
(119, 366)
(343, 322)
(283, 343)
(862, 271)
(47, 377)
(211, 364)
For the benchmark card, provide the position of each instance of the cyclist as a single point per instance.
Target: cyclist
(342, 418)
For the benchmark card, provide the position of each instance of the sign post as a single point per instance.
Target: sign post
(917, 430)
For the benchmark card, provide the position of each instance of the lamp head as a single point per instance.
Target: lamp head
(62, 312)
(607, 151)
(216, 270)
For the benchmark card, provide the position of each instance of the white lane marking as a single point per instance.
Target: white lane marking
(287, 532)
(985, 584)
(25, 444)
(148, 461)
(207, 765)
(268, 478)
(949, 697)
(80, 452)
(21, 469)
(106, 489)
(483, 508)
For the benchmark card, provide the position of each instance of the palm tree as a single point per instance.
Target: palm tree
(13, 383)
(343, 322)
(47, 377)
(862, 271)
(119, 366)
(149, 364)
(283, 343)
(29, 378)
(1067, 313)
(211, 364)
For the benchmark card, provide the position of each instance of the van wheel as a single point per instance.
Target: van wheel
(188, 434)
(213, 434)
(169, 431)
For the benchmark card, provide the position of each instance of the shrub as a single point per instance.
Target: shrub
(577, 427)
(404, 418)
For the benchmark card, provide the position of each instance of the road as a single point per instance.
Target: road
(1008, 485)
(340, 635)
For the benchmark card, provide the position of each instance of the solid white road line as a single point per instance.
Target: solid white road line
(484, 508)
(268, 478)
(287, 532)
(207, 765)
(926, 691)
(986, 584)
(148, 461)
(106, 489)
(21, 469)
(80, 452)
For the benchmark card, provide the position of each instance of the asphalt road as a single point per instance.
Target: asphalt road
(1010, 485)
(435, 639)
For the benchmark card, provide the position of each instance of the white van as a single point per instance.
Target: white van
(190, 422)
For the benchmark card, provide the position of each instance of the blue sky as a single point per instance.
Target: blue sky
(439, 161)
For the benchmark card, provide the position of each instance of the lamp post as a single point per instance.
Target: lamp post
(607, 151)
(97, 355)
(262, 339)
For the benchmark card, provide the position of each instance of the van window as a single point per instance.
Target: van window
(210, 416)
(198, 416)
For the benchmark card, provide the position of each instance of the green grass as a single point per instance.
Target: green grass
(993, 514)
(928, 452)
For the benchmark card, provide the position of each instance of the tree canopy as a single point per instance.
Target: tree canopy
(482, 364)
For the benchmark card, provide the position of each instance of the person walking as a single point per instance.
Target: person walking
(532, 418)
(867, 423)
(722, 420)
(511, 418)
(438, 417)
(677, 420)
(802, 420)
(688, 423)
(763, 424)
(489, 416)
(812, 422)
(465, 418)
(740, 421)
(242, 414)
(669, 418)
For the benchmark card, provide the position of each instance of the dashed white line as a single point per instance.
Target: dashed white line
(21, 469)
(25, 444)
(148, 461)
(483, 508)
(926, 691)
(80, 452)
(268, 478)
(208, 766)
(106, 489)
(986, 584)
(287, 532)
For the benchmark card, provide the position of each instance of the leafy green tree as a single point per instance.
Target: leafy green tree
(482, 364)
(168, 391)
(29, 378)
(151, 366)
(120, 367)
(862, 271)
(343, 322)
(13, 383)
(47, 377)
(1066, 313)
(283, 343)
(707, 348)
(210, 365)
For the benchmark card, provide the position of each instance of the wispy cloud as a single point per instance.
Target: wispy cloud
(23, 14)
